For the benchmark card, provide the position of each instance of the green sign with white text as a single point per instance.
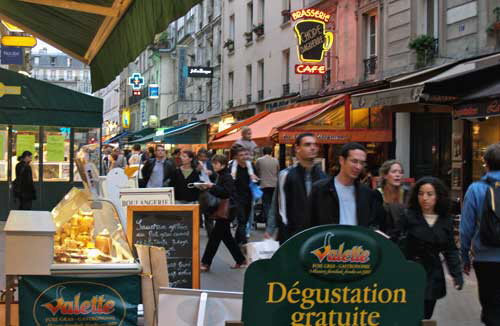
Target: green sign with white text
(335, 275)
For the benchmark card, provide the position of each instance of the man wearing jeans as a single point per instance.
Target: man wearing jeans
(486, 259)
(268, 169)
(243, 194)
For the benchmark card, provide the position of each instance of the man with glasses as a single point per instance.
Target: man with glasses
(342, 199)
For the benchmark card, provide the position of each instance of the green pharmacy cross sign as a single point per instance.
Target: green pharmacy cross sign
(335, 275)
(136, 81)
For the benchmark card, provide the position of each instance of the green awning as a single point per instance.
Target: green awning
(191, 133)
(44, 104)
(141, 133)
(107, 34)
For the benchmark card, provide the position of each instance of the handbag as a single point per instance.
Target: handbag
(222, 211)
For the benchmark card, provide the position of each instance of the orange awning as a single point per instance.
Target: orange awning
(262, 129)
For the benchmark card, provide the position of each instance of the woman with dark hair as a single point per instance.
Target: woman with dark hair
(427, 229)
(184, 176)
(23, 186)
(392, 197)
(223, 188)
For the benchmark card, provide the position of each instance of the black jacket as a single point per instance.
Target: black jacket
(292, 200)
(180, 184)
(243, 194)
(390, 214)
(23, 186)
(147, 170)
(224, 186)
(325, 209)
(423, 244)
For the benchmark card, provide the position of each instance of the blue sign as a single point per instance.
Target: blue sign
(136, 81)
(182, 52)
(154, 91)
(12, 55)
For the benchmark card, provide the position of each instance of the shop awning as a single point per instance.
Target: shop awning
(107, 34)
(445, 87)
(116, 138)
(141, 133)
(29, 101)
(191, 133)
(262, 129)
(328, 124)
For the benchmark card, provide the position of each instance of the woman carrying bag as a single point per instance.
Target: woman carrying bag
(428, 232)
(223, 189)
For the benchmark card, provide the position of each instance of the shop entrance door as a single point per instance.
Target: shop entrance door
(430, 151)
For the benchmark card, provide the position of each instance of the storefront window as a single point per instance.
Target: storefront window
(25, 138)
(4, 133)
(87, 140)
(359, 118)
(484, 134)
(56, 147)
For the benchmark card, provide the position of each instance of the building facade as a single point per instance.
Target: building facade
(62, 70)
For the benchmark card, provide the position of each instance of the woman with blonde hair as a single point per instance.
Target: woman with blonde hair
(392, 196)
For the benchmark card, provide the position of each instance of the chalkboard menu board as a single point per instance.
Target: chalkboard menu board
(175, 228)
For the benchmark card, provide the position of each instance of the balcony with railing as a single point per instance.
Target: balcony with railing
(286, 89)
(261, 95)
(370, 66)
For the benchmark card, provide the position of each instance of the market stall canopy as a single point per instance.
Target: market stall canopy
(262, 129)
(107, 34)
(28, 101)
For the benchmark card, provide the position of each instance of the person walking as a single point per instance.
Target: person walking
(343, 199)
(135, 158)
(23, 186)
(243, 194)
(427, 232)
(392, 197)
(294, 189)
(205, 166)
(157, 171)
(118, 159)
(486, 258)
(268, 169)
(247, 143)
(183, 179)
(223, 188)
(106, 159)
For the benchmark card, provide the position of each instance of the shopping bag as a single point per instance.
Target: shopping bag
(261, 250)
(256, 191)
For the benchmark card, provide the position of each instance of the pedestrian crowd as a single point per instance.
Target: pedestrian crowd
(417, 218)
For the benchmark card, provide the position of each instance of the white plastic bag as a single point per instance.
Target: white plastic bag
(261, 250)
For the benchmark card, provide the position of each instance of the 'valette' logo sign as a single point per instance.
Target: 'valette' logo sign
(71, 301)
(335, 275)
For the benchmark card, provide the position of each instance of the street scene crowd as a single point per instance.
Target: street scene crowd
(236, 192)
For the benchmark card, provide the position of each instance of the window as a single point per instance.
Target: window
(36, 61)
(231, 27)
(69, 75)
(286, 67)
(249, 17)
(55, 154)
(43, 73)
(60, 74)
(52, 61)
(53, 75)
(261, 79)
(431, 18)
(231, 86)
(86, 75)
(69, 61)
(209, 90)
(261, 11)
(286, 10)
(371, 36)
(249, 83)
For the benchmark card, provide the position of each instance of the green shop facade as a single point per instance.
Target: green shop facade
(53, 123)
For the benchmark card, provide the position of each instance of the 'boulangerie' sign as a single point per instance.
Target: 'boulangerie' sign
(146, 197)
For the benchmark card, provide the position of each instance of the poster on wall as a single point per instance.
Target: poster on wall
(70, 301)
(55, 148)
(25, 143)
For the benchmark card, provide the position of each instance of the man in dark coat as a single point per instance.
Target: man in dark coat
(294, 188)
(158, 171)
(342, 199)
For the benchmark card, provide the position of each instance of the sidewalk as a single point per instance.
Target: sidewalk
(456, 309)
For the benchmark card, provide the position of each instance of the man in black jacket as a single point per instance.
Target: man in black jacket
(158, 171)
(294, 188)
(342, 199)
